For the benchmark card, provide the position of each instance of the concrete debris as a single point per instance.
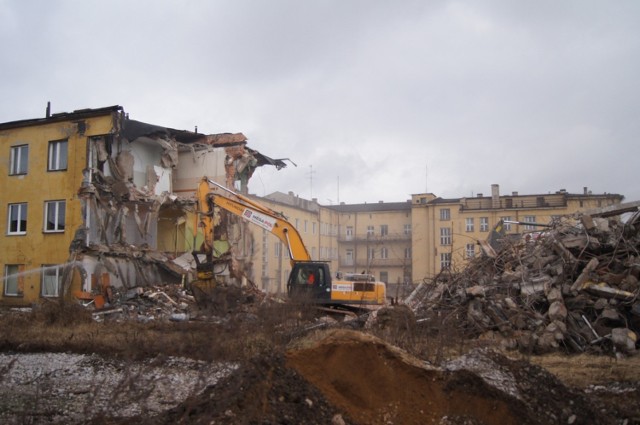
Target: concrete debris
(573, 288)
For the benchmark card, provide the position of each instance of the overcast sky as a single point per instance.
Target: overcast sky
(373, 100)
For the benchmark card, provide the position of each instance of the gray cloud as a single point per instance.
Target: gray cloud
(389, 98)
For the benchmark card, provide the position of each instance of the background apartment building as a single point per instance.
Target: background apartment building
(370, 238)
(446, 231)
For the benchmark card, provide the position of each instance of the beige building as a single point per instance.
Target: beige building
(446, 231)
(371, 238)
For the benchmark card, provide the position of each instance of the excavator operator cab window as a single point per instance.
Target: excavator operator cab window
(306, 276)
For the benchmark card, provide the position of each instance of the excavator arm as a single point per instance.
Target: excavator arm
(253, 212)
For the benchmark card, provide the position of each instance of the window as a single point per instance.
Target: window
(17, 224)
(57, 155)
(407, 229)
(484, 224)
(349, 233)
(370, 231)
(384, 277)
(277, 249)
(384, 230)
(407, 253)
(297, 223)
(51, 280)
(54, 216)
(348, 257)
(445, 236)
(313, 228)
(507, 226)
(19, 160)
(445, 214)
(471, 250)
(529, 219)
(445, 260)
(384, 253)
(313, 253)
(469, 224)
(370, 253)
(13, 279)
(306, 226)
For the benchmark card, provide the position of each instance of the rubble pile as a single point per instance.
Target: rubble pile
(572, 287)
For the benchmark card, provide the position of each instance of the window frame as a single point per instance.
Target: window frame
(445, 236)
(15, 161)
(55, 155)
(529, 219)
(470, 250)
(19, 280)
(470, 224)
(484, 224)
(384, 253)
(384, 229)
(407, 229)
(445, 260)
(445, 214)
(58, 279)
(20, 206)
(507, 226)
(371, 231)
(57, 224)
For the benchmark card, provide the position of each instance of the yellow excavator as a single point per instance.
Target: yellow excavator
(309, 280)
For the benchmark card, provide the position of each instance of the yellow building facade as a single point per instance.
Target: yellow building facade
(446, 232)
(42, 167)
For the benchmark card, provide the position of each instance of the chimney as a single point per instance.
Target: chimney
(48, 109)
(479, 195)
(380, 202)
(514, 193)
(586, 190)
(495, 196)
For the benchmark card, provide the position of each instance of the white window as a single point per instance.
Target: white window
(13, 280)
(529, 219)
(384, 230)
(407, 229)
(297, 223)
(57, 155)
(507, 226)
(349, 233)
(445, 260)
(313, 253)
(445, 214)
(19, 160)
(384, 253)
(306, 225)
(17, 220)
(313, 228)
(370, 231)
(277, 249)
(51, 280)
(484, 224)
(348, 257)
(471, 250)
(54, 216)
(445, 236)
(469, 224)
(371, 253)
(407, 253)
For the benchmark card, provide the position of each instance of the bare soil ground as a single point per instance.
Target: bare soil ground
(291, 371)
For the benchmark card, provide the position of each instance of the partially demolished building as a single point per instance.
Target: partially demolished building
(92, 200)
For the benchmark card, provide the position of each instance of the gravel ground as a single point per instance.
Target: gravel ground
(73, 388)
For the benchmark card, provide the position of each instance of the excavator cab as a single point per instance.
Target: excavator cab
(310, 281)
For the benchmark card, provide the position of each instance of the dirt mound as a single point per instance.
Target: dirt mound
(263, 391)
(374, 383)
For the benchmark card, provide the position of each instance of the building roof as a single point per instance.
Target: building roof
(377, 207)
(62, 116)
